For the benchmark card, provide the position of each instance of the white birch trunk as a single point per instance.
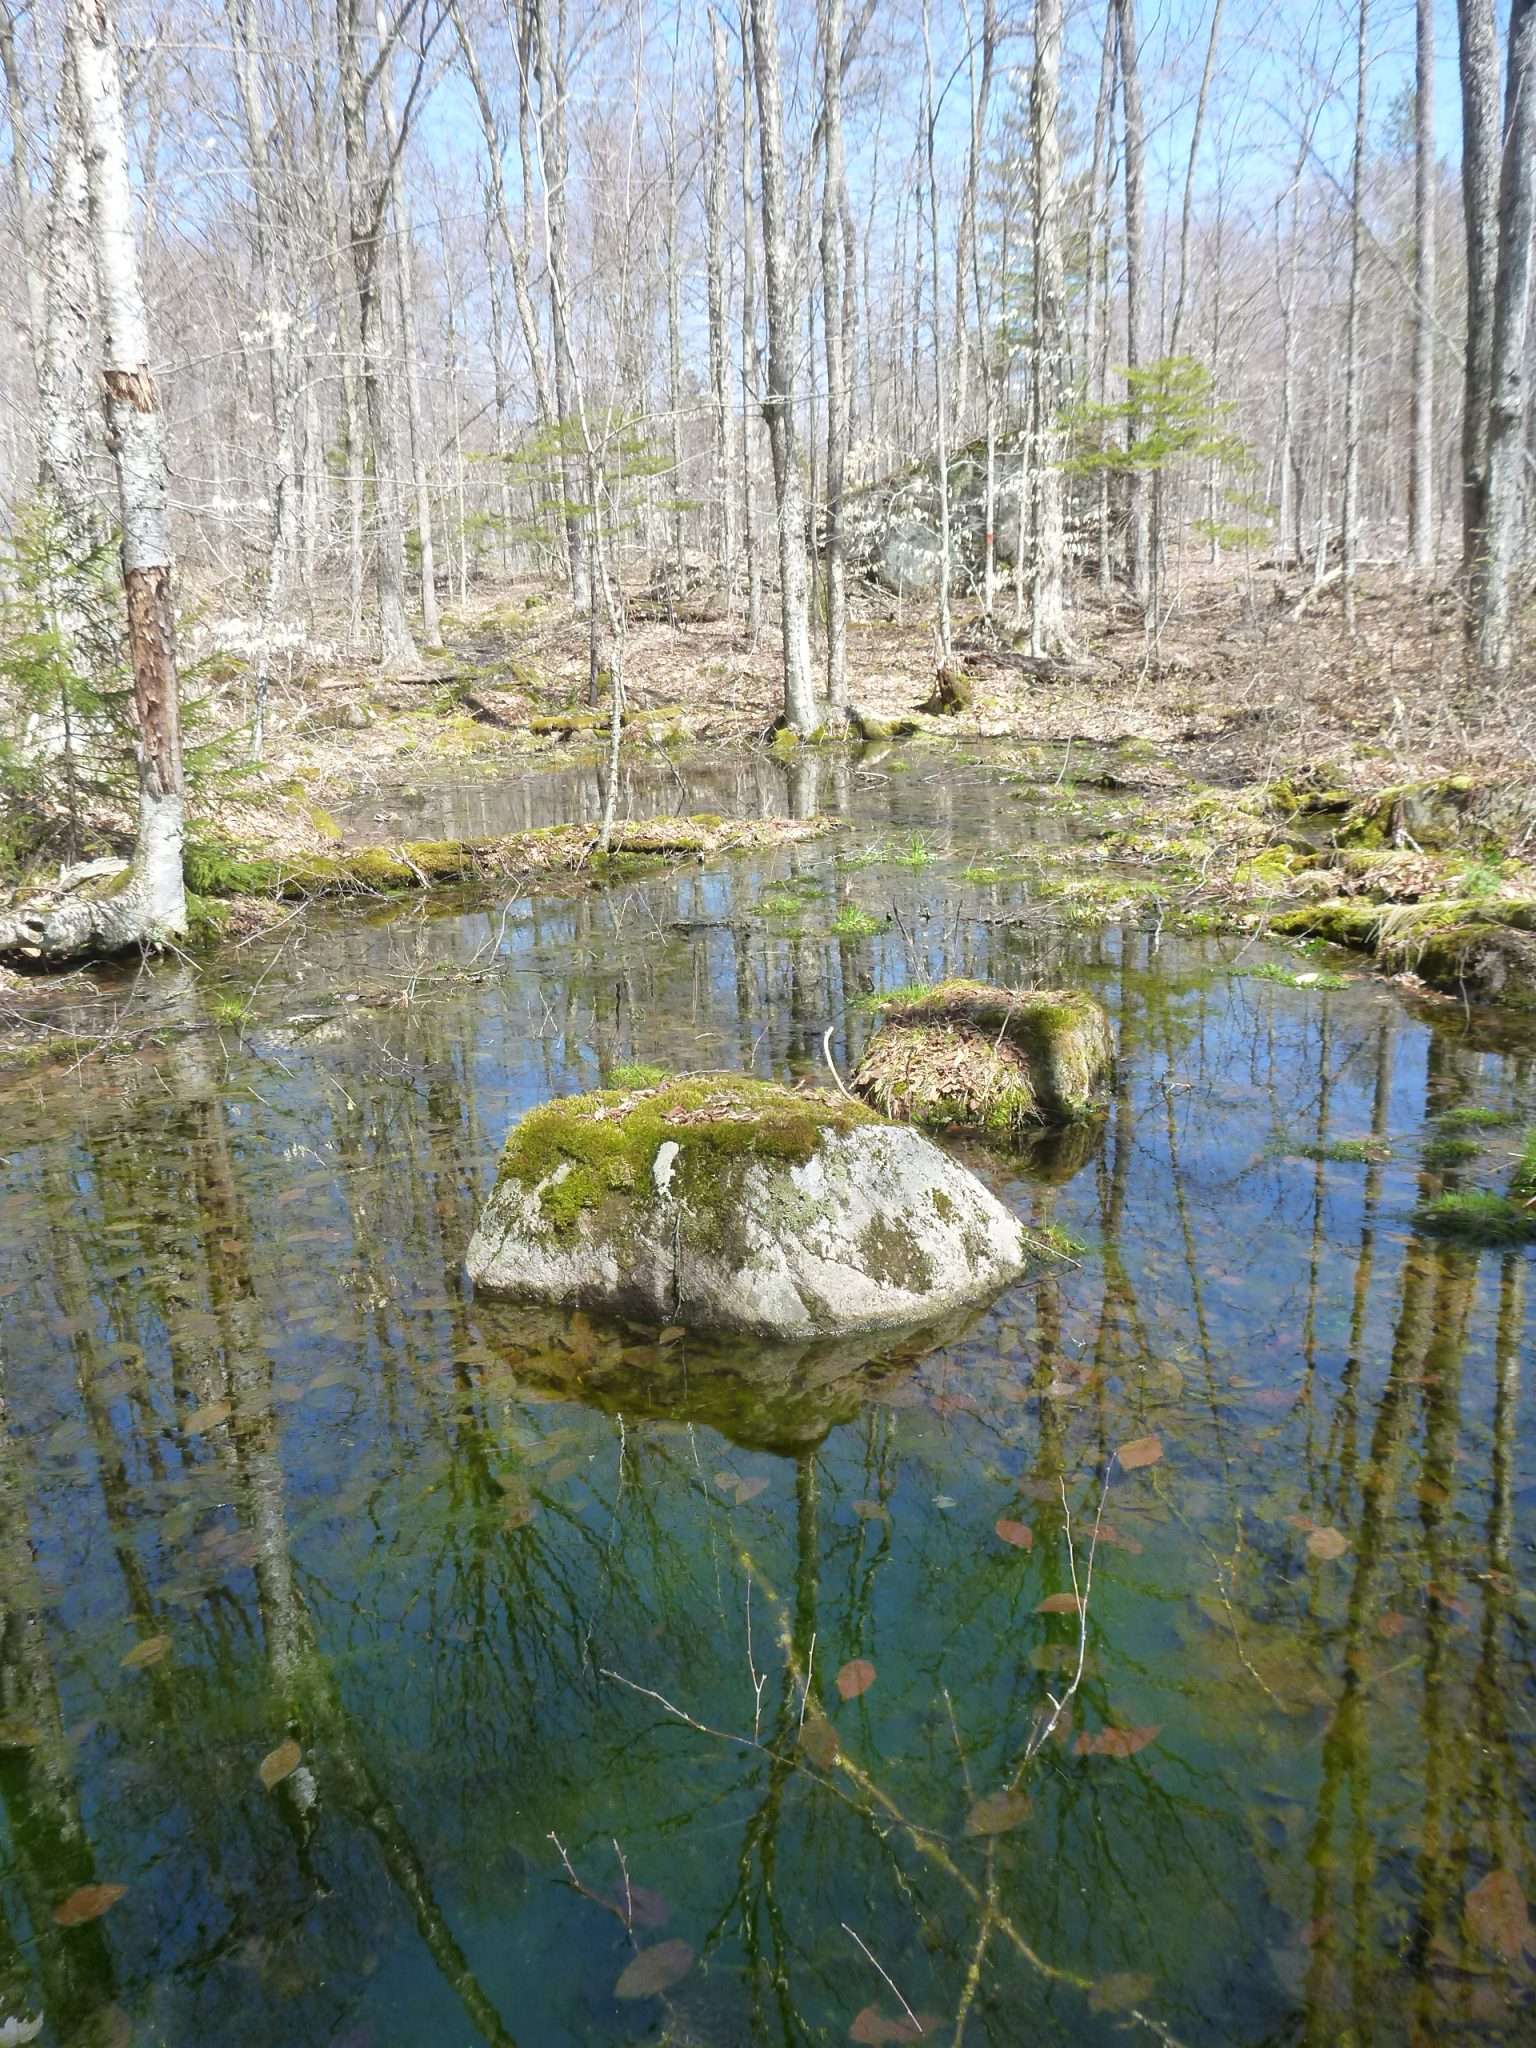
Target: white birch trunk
(151, 908)
(800, 712)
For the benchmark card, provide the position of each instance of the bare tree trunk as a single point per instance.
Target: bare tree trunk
(1186, 216)
(550, 73)
(1047, 613)
(800, 713)
(675, 332)
(365, 205)
(1421, 448)
(1478, 62)
(940, 393)
(748, 351)
(715, 293)
(63, 383)
(1499, 561)
(281, 349)
(517, 255)
(1352, 365)
(400, 222)
(152, 908)
(19, 110)
(1138, 537)
(833, 295)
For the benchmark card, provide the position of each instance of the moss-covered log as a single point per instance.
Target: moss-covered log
(220, 877)
(986, 1058)
(1479, 948)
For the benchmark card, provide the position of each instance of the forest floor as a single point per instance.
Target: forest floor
(1237, 758)
(1234, 688)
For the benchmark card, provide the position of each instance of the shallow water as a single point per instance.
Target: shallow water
(556, 1614)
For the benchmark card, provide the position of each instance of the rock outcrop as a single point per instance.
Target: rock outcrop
(723, 1203)
(992, 1059)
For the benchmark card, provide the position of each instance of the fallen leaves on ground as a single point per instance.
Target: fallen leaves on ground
(654, 1970)
(279, 1763)
(856, 1677)
(1116, 1741)
(89, 1902)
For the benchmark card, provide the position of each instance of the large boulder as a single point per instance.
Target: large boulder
(723, 1203)
(995, 1059)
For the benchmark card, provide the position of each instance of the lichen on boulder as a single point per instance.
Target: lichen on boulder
(995, 1059)
(725, 1203)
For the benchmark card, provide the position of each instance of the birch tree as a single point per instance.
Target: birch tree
(150, 909)
(1047, 615)
(779, 398)
(833, 294)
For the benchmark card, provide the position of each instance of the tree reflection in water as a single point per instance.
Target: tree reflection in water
(251, 1415)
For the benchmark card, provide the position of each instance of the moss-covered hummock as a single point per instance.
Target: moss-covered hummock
(987, 1058)
(607, 1142)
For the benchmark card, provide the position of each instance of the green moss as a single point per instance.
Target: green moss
(982, 876)
(1479, 1217)
(1449, 1151)
(579, 1151)
(1268, 873)
(635, 1074)
(1341, 920)
(1523, 1181)
(1336, 1151)
(853, 923)
(1475, 1116)
(892, 998)
(1290, 977)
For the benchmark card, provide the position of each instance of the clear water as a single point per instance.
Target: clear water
(556, 1614)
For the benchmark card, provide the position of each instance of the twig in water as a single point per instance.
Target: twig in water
(826, 1053)
(885, 1973)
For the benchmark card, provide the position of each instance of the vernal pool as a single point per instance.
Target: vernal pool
(381, 1668)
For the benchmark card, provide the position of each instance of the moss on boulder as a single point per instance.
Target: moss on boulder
(727, 1203)
(987, 1058)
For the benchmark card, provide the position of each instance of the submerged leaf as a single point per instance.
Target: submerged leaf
(856, 1677)
(818, 1738)
(1019, 1534)
(654, 1970)
(89, 1902)
(1060, 1603)
(875, 2029)
(150, 1651)
(1327, 1543)
(1116, 1741)
(1497, 1915)
(1120, 1991)
(207, 1417)
(279, 1763)
(996, 1812)
(1142, 1450)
